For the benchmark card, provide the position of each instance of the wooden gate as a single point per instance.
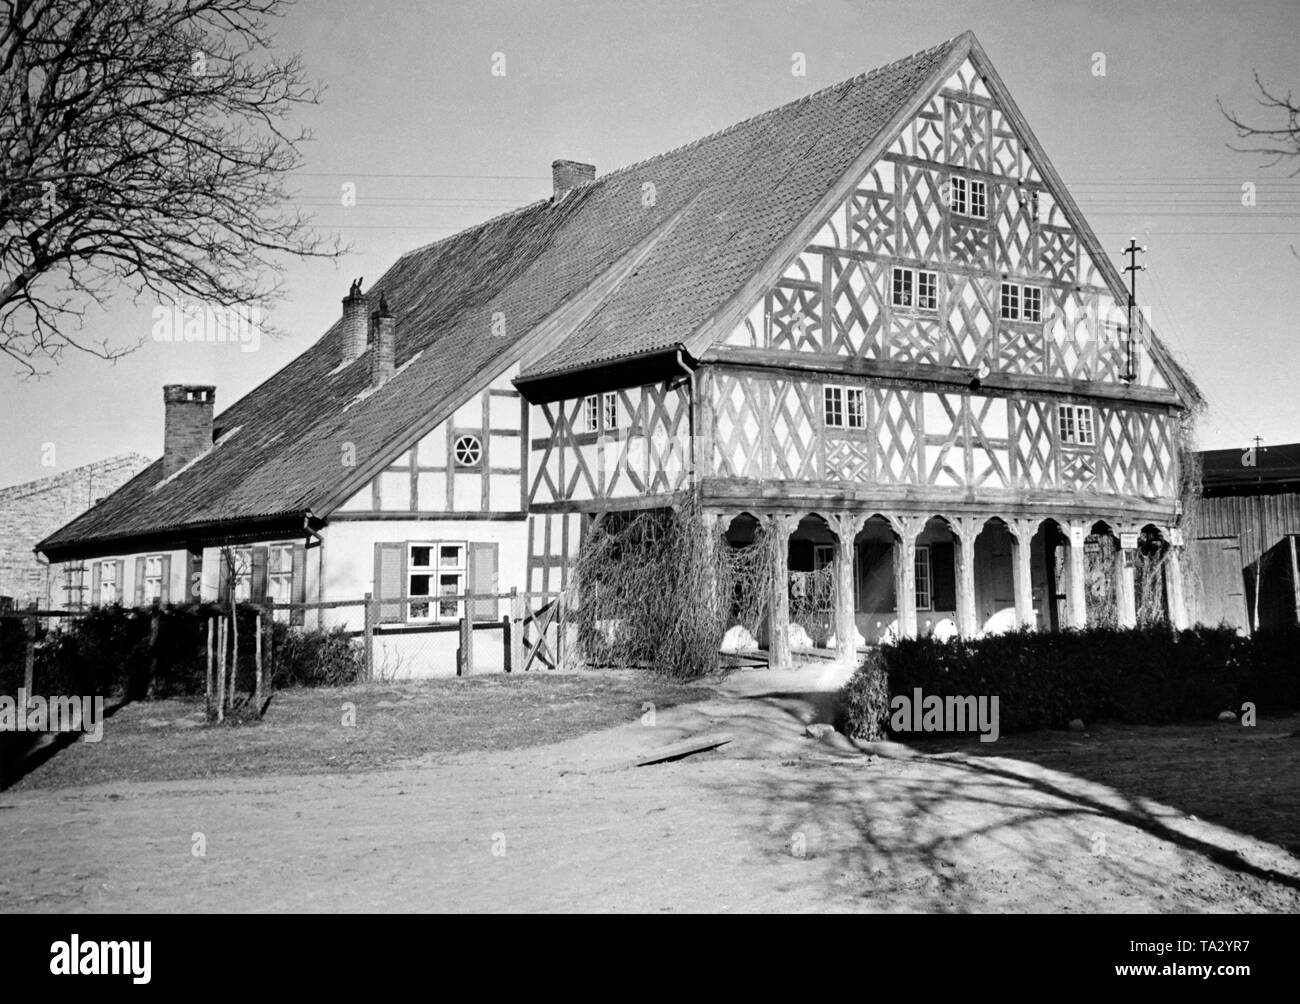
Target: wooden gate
(1219, 594)
(543, 628)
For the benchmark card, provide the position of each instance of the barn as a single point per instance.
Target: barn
(1243, 538)
(872, 322)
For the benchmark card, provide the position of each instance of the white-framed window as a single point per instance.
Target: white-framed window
(969, 197)
(74, 585)
(1021, 303)
(844, 407)
(610, 410)
(915, 287)
(591, 413)
(833, 408)
(110, 590)
(1075, 422)
(279, 573)
(924, 597)
(468, 450)
(435, 570)
(153, 577)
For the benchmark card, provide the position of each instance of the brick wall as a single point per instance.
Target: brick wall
(32, 511)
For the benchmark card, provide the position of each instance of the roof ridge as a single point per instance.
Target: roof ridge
(716, 134)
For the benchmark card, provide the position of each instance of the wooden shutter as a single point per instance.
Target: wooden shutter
(121, 580)
(390, 579)
(194, 576)
(96, 571)
(483, 579)
(139, 580)
(943, 579)
(257, 576)
(165, 595)
(298, 587)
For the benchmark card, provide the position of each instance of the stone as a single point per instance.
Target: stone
(1076, 724)
(799, 638)
(1227, 716)
(820, 730)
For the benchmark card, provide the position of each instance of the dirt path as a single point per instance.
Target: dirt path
(773, 821)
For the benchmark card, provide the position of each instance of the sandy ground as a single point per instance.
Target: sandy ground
(772, 821)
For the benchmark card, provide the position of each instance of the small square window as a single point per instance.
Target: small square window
(1075, 423)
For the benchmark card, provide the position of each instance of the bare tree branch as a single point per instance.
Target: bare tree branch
(145, 146)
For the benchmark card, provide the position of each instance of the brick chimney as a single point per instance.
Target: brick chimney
(569, 174)
(354, 324)
(187, 423)
(383, 350)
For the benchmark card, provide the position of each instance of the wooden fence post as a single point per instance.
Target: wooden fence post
(155, 623)
(29, 659)
(257, 664)
(369, 634)
(466, 644)
(209, 677)
(515, 639)
(221, 670)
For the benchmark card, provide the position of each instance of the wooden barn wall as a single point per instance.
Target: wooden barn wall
(1257, 521)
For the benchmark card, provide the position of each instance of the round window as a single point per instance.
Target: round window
(468, 451)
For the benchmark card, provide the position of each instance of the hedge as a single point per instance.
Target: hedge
(1045, 679)
(107, 652)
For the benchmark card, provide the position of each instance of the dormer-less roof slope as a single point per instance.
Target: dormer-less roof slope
(633, 270)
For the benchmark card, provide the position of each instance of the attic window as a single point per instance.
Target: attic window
(468, 451)
(969, 197)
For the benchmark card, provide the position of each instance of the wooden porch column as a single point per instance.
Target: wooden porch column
(846, 626)
(1174, 580)
(968, 528)
(778, 642)
(1295, 576)
(1125, 587)
(1076, 593)
(1022, 581)
(906, 528)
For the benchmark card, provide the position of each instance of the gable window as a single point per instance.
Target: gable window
(915, 288)
(468, 451)
(1021, 303)
(844, 407)
(610, 411)
(1075, 422)
(924, 598)
(435, 570)
(591, 413)
(969, 197)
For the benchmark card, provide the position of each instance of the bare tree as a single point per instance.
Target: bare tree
(144, 146)
(1279, 140)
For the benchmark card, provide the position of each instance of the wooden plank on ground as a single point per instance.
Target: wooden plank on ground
(686, 747)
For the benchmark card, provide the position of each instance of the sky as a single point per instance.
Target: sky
(413, 117)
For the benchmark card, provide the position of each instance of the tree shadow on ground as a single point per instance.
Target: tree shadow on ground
(1024, 825)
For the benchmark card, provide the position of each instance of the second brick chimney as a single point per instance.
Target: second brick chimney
(382, 350)
(569, 174)
(354, 324)
(187, 423)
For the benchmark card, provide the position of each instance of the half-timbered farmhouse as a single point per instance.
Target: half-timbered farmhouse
(872, 320)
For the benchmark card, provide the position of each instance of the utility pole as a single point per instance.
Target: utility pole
(1132, 268)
